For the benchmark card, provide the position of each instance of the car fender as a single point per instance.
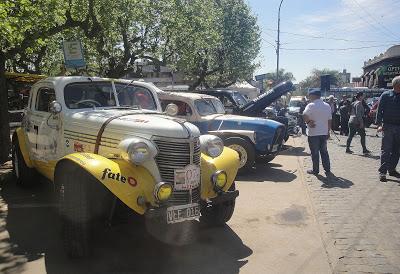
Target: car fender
(251, 135)
(21, 138)
(228, 161)
(126, 181)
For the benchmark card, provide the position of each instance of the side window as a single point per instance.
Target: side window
(225, 100)
(43, 99)
(183, 108)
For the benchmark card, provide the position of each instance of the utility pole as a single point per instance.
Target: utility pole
(278, 43)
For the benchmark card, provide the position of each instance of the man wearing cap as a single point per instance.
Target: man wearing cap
(388, 119)
(318, 117)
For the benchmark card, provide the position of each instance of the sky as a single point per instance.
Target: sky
(371, 26)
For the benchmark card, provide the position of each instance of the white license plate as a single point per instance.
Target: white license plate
(187, 178)
(176, 214)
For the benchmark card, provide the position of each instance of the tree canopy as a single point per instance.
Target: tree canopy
(314, 80)
(213, 42)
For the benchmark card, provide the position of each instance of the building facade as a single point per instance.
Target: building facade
(380, 70)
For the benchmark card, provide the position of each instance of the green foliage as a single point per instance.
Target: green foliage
(314, 81)
(271, 79)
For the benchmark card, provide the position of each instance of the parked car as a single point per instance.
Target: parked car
(253, 138)
(235, 103)
(101, 141)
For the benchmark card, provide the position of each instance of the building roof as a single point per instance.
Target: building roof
(391, 52)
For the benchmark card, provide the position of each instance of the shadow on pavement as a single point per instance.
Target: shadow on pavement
(34, 229)
(268, 172)
(337, 182)
(293, 151)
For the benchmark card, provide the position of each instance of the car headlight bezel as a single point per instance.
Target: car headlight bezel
(216, 178)
(138, 150)
(211, 145)
(162, 188)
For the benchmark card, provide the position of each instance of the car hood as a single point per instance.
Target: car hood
(237, 122)
(258, 104)
(130, 123)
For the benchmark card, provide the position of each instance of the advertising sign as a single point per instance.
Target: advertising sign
(73, 55)
(386, 74)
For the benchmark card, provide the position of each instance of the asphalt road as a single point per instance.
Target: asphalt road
(273, 230)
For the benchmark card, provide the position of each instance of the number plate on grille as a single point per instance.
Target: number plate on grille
(176, 214)
(187, 178)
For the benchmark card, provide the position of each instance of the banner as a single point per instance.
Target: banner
(73, 55)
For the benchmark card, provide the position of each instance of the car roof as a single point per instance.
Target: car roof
(218, 91)
(193, 96)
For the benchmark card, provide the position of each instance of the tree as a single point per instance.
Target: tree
(230, 57)
(270, 79)
(314, 81)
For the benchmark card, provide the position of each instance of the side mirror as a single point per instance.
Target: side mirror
(171, 110)
(55, 107)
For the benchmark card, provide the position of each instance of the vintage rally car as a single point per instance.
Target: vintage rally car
(235, 103)
(103, 141)
(253, 138)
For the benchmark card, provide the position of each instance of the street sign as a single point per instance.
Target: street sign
(73, 55)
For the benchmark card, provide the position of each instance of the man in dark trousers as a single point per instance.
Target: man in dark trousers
(318, 117)
(356, 123)
(388, 119)
(345, 110)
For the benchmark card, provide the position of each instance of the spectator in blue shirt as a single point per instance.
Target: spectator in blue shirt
(388, 119)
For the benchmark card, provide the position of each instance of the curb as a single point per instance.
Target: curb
(5, 171)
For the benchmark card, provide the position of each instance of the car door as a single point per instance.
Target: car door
(45, 131)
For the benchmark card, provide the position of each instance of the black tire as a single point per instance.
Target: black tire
(24, 175)
(239, 143)
(218, 215)
(78, 193)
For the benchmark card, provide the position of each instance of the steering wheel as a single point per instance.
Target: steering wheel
(90, 101)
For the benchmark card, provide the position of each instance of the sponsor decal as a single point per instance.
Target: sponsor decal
(67, 143)
(78, 147)
(118, 177)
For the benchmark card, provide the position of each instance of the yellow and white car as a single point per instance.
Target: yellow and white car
(101, 141)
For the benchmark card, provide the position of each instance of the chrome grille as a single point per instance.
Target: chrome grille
(177, 154)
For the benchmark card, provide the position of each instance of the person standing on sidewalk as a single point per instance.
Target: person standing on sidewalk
(356, 123)
(318, 117)
(345, 110)
(388, 119)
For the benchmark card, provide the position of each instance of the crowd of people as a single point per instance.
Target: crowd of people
(318, 120)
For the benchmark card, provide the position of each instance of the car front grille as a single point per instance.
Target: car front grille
(177, 154)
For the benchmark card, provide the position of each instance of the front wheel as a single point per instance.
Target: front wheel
(245, 150)
(219, 214)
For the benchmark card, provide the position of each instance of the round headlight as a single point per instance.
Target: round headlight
(139, 152)
(162, 191)
(219, 179)
(211, 145)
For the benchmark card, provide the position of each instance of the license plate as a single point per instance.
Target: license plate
(187, 178)
(176, 214)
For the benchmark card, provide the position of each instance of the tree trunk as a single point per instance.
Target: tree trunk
(4, 117)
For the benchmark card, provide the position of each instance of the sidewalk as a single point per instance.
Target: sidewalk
(5, 171)
(359, 216)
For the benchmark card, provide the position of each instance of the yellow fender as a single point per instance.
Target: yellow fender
(123, 179)
(228, 161)
(23, 147)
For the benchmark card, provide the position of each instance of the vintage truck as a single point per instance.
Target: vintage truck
(255, 139)
(103, 141)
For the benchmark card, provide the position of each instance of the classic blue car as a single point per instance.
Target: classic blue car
(253, 138)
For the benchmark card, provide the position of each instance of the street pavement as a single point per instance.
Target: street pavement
(358, 215)
(273, 230)
(285, 222)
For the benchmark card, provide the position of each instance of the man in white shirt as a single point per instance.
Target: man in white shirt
(318, 117)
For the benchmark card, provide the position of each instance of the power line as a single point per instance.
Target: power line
(333, 38)
(336, 49)
(376, 20)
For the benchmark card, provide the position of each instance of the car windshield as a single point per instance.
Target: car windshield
(135, 96)
(89, 94)
(239, 98)
(209, 106)
(295, 103)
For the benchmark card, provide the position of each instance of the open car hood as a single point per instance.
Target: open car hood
(258, 104)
